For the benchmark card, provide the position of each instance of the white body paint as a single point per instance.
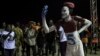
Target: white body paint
(65, 12)
(87, 24)
(76, 49)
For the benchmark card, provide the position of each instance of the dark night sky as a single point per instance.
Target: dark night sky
(22, 10)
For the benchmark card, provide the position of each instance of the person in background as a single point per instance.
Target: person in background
(24, 44)
(40, 40)
(30, 40)
(3, 27)
(84, 37)
(50, 39)
(94, 43)
(9, 41)
(19, 39)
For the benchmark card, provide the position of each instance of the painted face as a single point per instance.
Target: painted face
(65, 12)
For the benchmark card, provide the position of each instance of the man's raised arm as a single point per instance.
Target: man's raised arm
(43, 15)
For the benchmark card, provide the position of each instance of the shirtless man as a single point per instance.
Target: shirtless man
(69, 25)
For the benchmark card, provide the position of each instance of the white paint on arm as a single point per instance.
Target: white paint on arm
(87, 24)
(44, 12)
(45, 26)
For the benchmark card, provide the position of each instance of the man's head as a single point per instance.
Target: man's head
(50, 22)
(3, 25)
(32, 24)
(67, 9)
(9, 28)
(65, 12)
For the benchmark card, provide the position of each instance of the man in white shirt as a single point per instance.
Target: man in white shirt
(63, 41)
(8, 41)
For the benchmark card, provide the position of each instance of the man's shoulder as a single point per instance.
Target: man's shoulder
(5, 31)
(78, 18)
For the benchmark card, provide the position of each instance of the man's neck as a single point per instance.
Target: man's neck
(67, 19)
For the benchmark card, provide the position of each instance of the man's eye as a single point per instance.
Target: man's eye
(64, 10)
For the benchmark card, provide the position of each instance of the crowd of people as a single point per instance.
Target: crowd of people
(18, 40)
(38, 39)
